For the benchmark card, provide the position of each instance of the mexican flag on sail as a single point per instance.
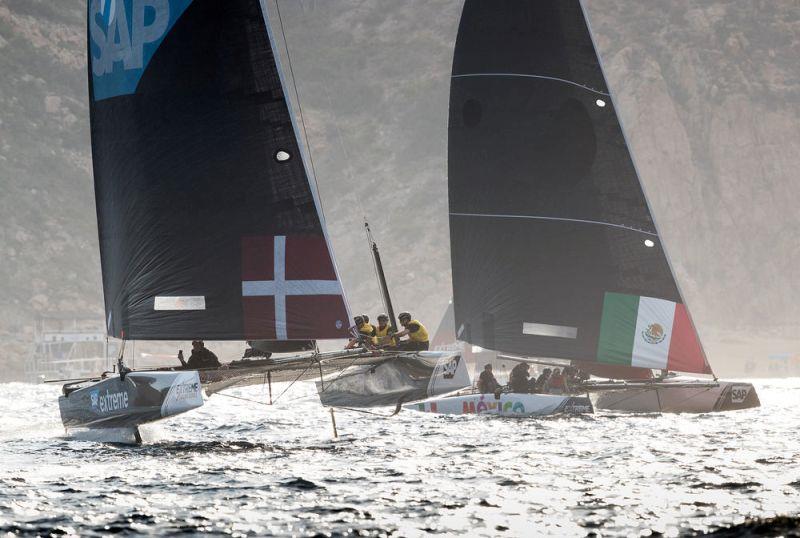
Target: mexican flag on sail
(647, 332)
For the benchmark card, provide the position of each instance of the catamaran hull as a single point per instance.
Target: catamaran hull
(509, 404)
(727, 396)
(140, 398)
(407, 377)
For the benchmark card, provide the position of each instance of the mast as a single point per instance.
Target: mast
(387, 300)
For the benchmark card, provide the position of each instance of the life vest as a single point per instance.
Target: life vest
(420, 335)
(382, 332)
(379, 333)
(367, 329)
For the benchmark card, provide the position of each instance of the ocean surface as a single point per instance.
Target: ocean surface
(242, 468)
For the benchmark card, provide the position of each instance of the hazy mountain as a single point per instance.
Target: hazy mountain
(709, 94)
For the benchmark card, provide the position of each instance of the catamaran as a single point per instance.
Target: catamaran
(555, 253)
(209, 219)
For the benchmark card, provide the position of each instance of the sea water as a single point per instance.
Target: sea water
(245, 468)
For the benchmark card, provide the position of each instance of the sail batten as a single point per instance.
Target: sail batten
(201, 183)
(547, 214)
(526, 75)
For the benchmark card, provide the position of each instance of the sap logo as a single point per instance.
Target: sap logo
(125, 32)
(739, 393)
(94, 397)
(449, 370)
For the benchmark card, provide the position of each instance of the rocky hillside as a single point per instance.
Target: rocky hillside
(709, 95)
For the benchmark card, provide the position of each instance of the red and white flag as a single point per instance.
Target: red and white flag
(290, 290)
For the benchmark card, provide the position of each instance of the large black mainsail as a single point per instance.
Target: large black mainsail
(209, 224)
(554, 249)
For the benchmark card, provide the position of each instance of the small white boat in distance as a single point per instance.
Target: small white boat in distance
(505, 404)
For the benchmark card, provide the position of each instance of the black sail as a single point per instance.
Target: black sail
(550, 229)
(209, 226)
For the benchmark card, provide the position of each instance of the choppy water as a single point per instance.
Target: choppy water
(233, 467)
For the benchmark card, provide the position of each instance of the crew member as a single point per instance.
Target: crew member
(557, 385)
(416, 332)
(364, 333)
(542, 383)
(487, 383)
(518, 378)
(382, 331)
(200, 358)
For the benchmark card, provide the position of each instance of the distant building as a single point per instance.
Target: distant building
(68, 348)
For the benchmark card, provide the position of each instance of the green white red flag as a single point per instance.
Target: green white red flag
(647, 332)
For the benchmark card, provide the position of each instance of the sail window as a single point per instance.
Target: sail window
(600, 103)
(282, 156)
(545, 329)
(193, 302)
(649, 243)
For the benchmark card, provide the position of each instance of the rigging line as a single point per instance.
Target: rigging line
(299, 105)
(524, 75)
(539, 217)
(250, 400)
(364, 411)
(357, 191)
(340, 139)
(339, 375)
(296, 379)
(331, 382)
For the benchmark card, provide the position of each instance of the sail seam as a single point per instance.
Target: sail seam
(524, 75)
(540, 217)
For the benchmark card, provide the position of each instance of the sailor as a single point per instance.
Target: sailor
(557, 385)
(382, 331)
(487, 383)
(542, 382)
(363, 333)
(200, 358)
(416, 332)
(518, 378)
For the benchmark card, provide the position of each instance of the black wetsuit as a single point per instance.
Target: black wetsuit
(487, 383)
(202, 358)
(518, 379)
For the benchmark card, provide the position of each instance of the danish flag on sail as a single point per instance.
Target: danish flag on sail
(290, 290)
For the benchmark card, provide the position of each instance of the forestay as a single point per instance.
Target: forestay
(554, 249)
(209, 222)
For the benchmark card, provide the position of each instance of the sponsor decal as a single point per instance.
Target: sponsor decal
(124, 35)
(449, 370)
(186, 391)
(577, 405)
(108, 401)
(654, 333)
(739, 393)
(484, 406)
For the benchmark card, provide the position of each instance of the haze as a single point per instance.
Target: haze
(709, 95)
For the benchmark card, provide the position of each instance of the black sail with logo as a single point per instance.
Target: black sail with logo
(208, 223)
(547, 214)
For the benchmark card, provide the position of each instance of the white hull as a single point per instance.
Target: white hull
(509, 404)
(663, 398)
(124, 404)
